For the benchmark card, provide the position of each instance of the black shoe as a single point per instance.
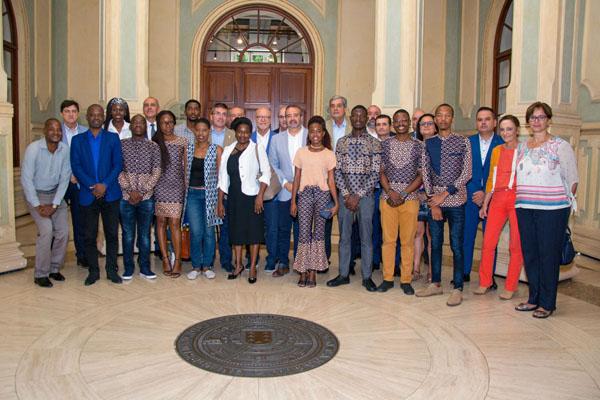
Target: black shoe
(82, 263)
(251, 281)
(114, 278)
(375, 266)
(43, 282)
(338, 280)
(90, 280)
(407, 288)
(369, 285)
(494, 285)
(385, 286)
(324, 271)
(57, 276)
(467, 278)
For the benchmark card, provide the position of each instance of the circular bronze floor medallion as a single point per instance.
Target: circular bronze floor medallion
(257, 345)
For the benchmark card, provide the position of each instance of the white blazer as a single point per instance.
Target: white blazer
(248, 167)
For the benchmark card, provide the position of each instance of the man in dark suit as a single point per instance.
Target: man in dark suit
(96, 161)
(69, 110)
(482, 144)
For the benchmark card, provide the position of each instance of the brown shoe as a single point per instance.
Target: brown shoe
(481, 290)
(506, 295)
(455, 298)
(431, 290)
(279, 272)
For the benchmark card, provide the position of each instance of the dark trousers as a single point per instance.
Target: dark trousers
(328, 227)
(456, 223)
(225, 254)
(472, 221)
(271, 213)
(542, 235)
(72, 199)
(285, 224)
(136, 219)
(377, 232)
(109, 211)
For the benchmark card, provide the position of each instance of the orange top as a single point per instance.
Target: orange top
(502, 169)
(315, 166)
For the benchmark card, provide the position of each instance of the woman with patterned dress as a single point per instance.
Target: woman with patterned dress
(169, 193)
(244, 175)
(546, 185)
(201, 201)
(314, 184)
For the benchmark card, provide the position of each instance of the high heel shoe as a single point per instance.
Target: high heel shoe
(252, 279)
(302, 280)
(176, 271)
(166, 265)
(235, 274)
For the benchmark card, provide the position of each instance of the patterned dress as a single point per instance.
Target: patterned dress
(171, 188)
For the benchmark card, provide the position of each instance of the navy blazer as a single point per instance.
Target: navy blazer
(480, 172)
(271, 134)
(110, 165)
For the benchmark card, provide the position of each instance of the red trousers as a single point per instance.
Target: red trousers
(502, 207)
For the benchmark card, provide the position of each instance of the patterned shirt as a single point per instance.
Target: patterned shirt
(447, 167)
(141, 167)
(358, 164)
(401, 164)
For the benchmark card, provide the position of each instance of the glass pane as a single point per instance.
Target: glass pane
(8, 62)
(506, 39)
(9, 91)
(6, 28)
(501, 101)
(508, 20)
(504, 73)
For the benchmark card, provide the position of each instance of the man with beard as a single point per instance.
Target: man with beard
(45, 175)
(97, 173)
(373, 111)
(235, 112)
(358, 165)
(281, 119)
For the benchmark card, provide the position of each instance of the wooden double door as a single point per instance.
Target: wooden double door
(252, 86)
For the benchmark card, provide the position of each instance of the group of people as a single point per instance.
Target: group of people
(392, 189)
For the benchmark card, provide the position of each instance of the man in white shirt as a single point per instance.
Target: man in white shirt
(373, 111)
(282, 151)
(150, 108)
(338, 124)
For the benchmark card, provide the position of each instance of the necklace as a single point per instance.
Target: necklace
(316, 147)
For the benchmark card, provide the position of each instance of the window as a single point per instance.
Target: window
(258, 35)
(10, 65)
(502, 57)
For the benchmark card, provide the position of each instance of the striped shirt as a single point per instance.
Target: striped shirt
(545, 175)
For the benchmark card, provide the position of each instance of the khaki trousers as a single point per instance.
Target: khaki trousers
(394, 220)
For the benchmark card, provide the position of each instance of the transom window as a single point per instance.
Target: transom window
(502, 57)
(258, 35)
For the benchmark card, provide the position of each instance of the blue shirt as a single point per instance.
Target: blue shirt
(95, 148)
(217, 137)
(338, 131)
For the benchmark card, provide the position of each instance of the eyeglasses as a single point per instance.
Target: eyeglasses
(262, 117)
(538, 118)
(427, 123)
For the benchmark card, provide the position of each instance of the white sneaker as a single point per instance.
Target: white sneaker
(193, 274)
(209, 273)
(148, 275)
(127, 277)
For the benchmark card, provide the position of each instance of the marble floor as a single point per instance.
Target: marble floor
(117, 341)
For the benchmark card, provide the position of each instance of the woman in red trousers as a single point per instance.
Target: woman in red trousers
(500, 197)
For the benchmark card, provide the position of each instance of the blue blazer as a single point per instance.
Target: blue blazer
(110, 165)
(271, 134)
(480, 172)
(280, 160)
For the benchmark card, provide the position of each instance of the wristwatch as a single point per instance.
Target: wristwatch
(404, 195)
(54, 206)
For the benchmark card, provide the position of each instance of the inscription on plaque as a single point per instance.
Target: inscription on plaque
(257, 345)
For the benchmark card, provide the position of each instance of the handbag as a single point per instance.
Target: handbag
(185, 243)
(274, 185)
(568, 251)
(325, 212)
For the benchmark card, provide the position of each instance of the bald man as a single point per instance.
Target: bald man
(373, 111)
(417, 113)
(151, 108)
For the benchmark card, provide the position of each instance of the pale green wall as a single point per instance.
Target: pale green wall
(590, 112)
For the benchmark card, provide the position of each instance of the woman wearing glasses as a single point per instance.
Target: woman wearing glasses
(169, 193)
(546, 185)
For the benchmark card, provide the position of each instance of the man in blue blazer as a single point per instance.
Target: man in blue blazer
(96, 161)
(482, 144)
(263, 135)
(69, 110)
(282, 150)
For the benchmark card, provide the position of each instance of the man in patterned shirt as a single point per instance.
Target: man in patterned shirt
(399, 204)
(446, 166)
(358, 163)
(141, 170)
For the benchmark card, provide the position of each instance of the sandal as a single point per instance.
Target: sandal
(166, 265)
(526, 307)
(302, 280)
(416, 276)
(176, 271)
(311, 282)
(542, 313)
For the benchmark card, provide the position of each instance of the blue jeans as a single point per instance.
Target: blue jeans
(202, 236)
(225, 254)
(271, 214)
(285, 223)
(456, 222)
(140, 216)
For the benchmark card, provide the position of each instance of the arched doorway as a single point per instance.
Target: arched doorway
(257, 55)
(10, 48)
(502, 58)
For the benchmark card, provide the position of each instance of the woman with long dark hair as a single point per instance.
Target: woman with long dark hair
(117, 118)
(169, 193)
(314, 186)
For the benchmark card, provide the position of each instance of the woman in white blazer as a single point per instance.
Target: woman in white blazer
(244, 175)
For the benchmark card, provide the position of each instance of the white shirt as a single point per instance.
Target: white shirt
(149, 128)
(263, 139)
(125, 132)
(70, 132)
(484, 147)
(338, 132)
(294, 144)
(373, 133)
(248, 167)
